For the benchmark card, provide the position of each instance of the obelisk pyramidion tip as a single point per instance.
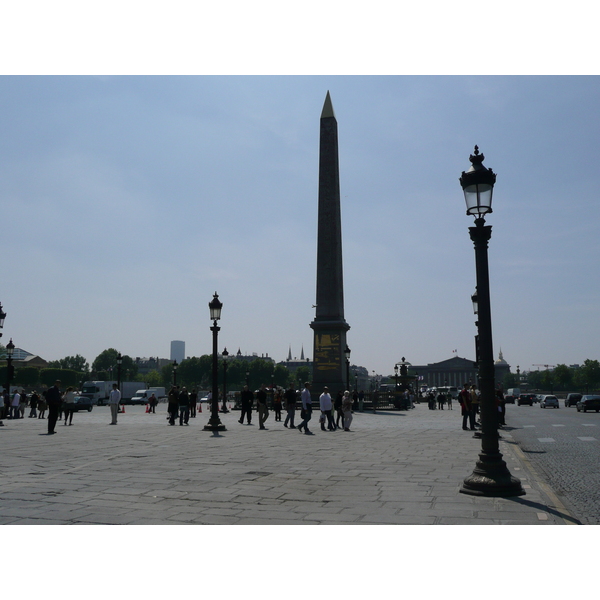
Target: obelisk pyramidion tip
(327, 108)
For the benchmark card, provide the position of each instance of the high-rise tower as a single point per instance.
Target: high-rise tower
(329, 325)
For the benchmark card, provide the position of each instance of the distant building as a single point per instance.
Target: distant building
(177, 351)
(145, 365)
(456, 371)
(293, 364)
(251, 357)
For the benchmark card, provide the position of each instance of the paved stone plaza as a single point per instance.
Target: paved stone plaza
(393, 468)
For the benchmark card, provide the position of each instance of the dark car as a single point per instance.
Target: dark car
(588, 403)
(572, 399)
(509, 399)
(526, 399)
(82, 403)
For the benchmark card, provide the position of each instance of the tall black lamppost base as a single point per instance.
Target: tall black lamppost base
(214, 427)
(492, 478)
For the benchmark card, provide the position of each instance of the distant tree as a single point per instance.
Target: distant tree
(74, 363)
(590, 373)
(563, 377)
(107, 359)
(66, 376)
(26, 376)
(509, 381)
(154, 379)
(534, 379)
(302, 374)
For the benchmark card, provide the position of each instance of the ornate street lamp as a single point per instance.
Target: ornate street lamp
(396, 375)
(175, 365)
(10, 370)
(491, 476)
(225, 354)
(214, 423)
(119, 363)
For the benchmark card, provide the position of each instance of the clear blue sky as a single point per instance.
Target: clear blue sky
(127, 201)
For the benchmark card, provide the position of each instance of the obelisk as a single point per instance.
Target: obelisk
(329, 325)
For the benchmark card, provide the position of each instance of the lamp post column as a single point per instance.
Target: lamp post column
(214, 423)
(491, 476)
(225, 355)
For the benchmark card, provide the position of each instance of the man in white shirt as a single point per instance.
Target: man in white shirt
(306, 413)
(326, 405)
(113, 400)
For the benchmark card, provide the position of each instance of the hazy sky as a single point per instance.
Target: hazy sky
(128, 201)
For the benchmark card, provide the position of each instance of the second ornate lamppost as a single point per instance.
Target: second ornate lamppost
(491, 476)
(214, 423)
(225, 354)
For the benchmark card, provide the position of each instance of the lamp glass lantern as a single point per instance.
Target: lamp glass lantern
(215, 306)
(475, 301)
(2, 317)
(347, 352)
(119, 359)
(10, 348)
(478, 186)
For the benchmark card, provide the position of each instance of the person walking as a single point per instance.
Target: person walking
(290, 407)
(339, 411)
(173, 404)
(261, 406)
(347, 408)
(3, 404)
(474, 402)
(33, 404)
(277, 405)
(22, 404)
(466, 409)
(326, 406)
(14, 405)
(68, 403)
(247, 398)
(152, 402)
(184, 406)
(54, 400)
(501, 407)
(114, 398)
(306, 413)
(449, 400)
(42, 406)
(193, 403)
(441, 399)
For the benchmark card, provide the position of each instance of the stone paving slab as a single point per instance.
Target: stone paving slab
(393, 468)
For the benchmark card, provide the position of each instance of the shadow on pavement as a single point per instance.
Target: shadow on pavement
(545, 508)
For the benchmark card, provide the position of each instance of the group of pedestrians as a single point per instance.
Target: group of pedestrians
(469, 399)
(440, 400)
(13, 406)
(180, 404)
(342, 407)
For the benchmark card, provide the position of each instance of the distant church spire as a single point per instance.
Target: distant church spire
(302, 354)
(290, 353)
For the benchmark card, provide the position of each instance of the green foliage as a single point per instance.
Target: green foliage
(302, 374)
(107, 359)
(73, 363)
(563, 377)
(26, 376)
(66, 376)
(154, 379)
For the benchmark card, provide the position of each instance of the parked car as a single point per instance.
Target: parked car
(82, 403)
(509, 399)
(572, 399)
(526, 399)
(548, 401)
(588, 403)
